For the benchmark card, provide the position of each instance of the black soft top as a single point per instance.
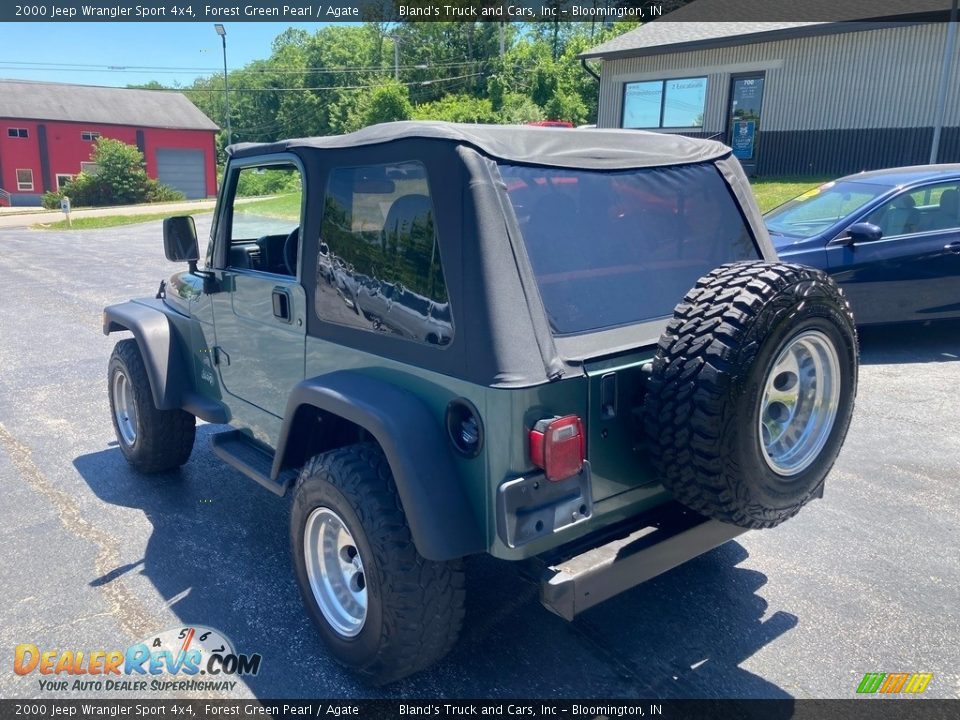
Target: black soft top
(556, 147)
(503, 338)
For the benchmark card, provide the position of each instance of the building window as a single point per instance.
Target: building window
(17, 132)
(654, 104)
(90, 168)
(89, 136)
(25, 179)
(63, 179)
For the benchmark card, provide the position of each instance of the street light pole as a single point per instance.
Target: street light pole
(222, 32)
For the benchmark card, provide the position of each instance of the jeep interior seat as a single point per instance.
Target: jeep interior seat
(406, 212)
(271, 253)
(552, 237)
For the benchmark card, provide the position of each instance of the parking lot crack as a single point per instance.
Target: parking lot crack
(133, 618)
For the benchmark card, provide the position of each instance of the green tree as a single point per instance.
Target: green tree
(385, 103)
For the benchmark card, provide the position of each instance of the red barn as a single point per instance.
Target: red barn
(47, 132)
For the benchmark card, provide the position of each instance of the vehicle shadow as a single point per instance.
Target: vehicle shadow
(219, 555)
(681, 635)
(930, 342)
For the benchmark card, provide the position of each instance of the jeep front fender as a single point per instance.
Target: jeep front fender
(163, 357)
(435, 502)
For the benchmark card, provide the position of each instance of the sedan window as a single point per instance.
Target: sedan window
(926, 209)
(817, 209)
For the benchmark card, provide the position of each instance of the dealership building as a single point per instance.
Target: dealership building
(47, 132)
(791, 98)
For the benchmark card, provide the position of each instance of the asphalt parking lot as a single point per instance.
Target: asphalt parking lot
(96, 557)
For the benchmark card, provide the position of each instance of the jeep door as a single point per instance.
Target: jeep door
(259, 312)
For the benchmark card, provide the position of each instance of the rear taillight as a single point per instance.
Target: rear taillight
(558, 446)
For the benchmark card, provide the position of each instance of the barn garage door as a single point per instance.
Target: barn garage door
(182, 170)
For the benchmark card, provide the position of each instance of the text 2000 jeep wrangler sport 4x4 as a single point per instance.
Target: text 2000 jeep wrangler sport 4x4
(572, 348)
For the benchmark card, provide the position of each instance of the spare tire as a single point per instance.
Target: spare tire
(751, 392)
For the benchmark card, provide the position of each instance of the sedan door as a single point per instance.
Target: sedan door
(913, 271)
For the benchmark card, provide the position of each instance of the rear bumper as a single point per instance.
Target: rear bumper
(587, 573)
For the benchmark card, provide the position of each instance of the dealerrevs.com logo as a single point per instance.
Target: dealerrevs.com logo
(190, 658)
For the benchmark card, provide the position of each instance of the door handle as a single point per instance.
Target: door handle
(953, 247)
(281, 304)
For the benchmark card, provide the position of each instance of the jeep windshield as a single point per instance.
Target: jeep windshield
(617, 248)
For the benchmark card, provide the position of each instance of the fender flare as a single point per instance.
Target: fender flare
(439, 513)
(163, 358)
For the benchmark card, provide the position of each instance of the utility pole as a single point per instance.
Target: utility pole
(396, 56)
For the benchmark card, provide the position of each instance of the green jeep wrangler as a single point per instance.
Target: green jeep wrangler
(571, 348)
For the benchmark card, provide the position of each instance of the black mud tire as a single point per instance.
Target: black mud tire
(164, 438)
(415, 606)
(702, 405)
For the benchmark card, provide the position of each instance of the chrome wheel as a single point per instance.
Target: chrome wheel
(124, 407)
(799, 404)
(335, 571)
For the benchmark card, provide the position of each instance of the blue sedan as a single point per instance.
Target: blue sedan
(890, 238)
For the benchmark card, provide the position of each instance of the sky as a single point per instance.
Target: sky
(130, 45)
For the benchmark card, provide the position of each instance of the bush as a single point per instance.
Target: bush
(457, 108)
(264, 181)
(162, 193)
(120, 179)
(51, 200)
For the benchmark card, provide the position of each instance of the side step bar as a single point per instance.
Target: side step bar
(652, 544)
(250, 457)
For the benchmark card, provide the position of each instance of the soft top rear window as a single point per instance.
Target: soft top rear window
(616, 248)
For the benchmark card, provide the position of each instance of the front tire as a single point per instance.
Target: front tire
(382, 609)
(751, 392)
(151, 440)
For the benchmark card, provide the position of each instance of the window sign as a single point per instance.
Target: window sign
(641, 104)
(657, 104)
(744, 132)
(683, 102)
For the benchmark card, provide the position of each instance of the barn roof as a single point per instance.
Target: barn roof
(31, 100)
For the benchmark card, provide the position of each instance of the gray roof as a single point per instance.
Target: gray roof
(708, 23)
(557, 147)
(664, 36)
(24, 99)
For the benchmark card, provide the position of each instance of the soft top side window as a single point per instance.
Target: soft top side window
(379, 265)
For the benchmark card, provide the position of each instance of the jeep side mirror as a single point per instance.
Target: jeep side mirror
(180, 240)
(860, 232)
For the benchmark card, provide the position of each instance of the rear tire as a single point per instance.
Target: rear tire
(385, 611)
(152, 440)
(752, 391)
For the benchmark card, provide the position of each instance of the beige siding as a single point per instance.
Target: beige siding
(884, 78)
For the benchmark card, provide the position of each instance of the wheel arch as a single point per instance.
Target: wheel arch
(158, 347)
(436, 505)
(164, 357)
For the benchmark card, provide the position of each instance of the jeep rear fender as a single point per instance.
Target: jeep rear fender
(163, 357)
(434, 500)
